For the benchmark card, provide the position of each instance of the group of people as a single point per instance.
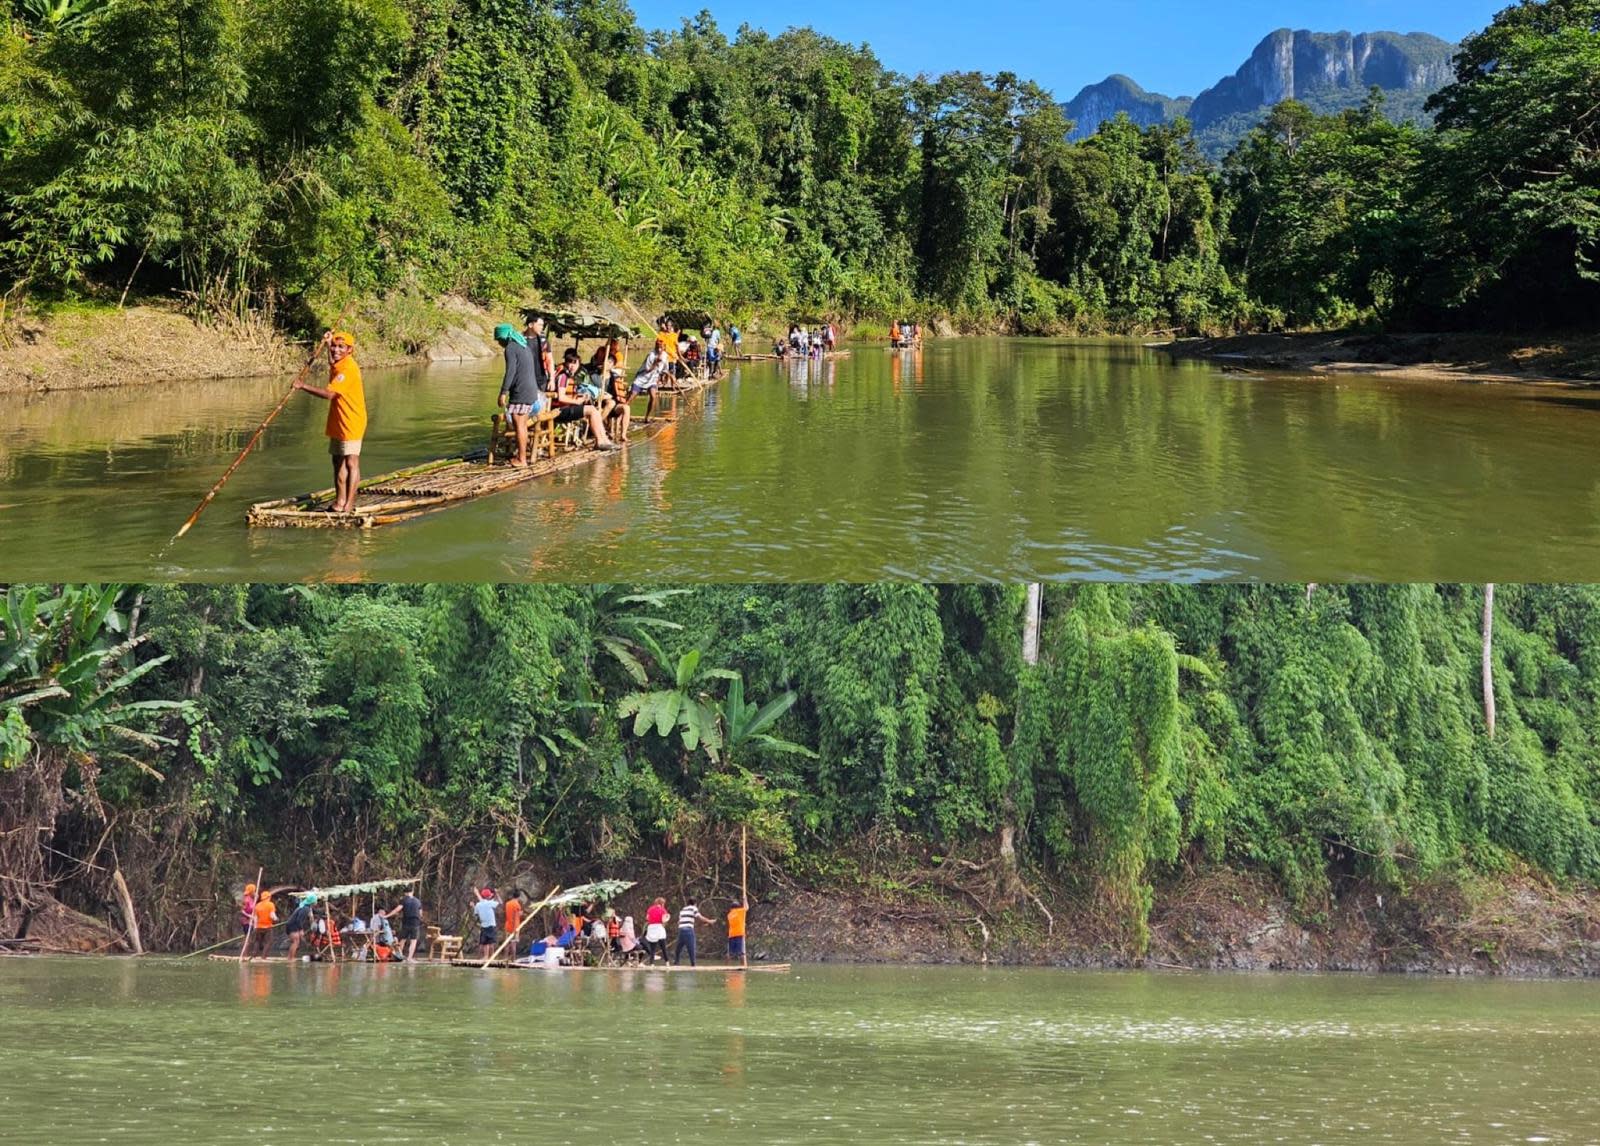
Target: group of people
(601, 926)
(686, 353)
(326, 933)
(805, 343)
(597, 393)
(905, 334)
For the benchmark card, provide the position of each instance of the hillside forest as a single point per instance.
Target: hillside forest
(1308, 735)
(255, 158)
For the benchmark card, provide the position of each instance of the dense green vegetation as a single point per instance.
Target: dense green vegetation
(277, 156)
(1313, 735)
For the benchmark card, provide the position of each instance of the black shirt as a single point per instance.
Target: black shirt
(540, 346)
(410, 909)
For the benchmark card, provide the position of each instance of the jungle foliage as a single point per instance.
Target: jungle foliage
(245, 154)
(1317, 736)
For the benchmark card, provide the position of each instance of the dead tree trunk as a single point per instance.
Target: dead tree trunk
(130, 921)
(1488, 659)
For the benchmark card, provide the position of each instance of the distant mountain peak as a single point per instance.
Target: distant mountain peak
(1328, 70)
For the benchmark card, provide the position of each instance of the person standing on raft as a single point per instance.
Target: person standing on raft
(347, 417)
(484, 909)
(520, 392)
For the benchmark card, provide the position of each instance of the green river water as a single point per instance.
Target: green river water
(162, 1051)
(978, 459)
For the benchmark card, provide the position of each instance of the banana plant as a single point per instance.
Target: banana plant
(65, 678)
(686, 707)
(746, 724)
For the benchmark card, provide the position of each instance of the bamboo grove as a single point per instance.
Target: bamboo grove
(274, 157)
(1315, 734)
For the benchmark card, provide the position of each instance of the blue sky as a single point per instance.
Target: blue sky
(1176, 47)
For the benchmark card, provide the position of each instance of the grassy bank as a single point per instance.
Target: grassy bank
(92, 346)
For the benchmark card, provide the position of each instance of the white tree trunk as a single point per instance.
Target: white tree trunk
(1488, 659)
(1030, 624)
(130, 921)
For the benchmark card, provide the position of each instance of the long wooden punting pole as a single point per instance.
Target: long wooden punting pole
(256, 437)
(526, 919)
(250, 932)
(744, 865)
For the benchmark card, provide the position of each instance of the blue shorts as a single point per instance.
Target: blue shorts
(736, 945)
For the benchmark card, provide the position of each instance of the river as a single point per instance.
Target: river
(977, 459)
(161, 1051)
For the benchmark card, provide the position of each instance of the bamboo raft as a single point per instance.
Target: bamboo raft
(404, 494)
(702, 969)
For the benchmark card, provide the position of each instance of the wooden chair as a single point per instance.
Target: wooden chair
(441, 947)
(503, 437)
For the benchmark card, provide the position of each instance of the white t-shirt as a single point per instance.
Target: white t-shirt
(485, 909)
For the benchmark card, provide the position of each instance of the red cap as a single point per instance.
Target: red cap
(487, 893)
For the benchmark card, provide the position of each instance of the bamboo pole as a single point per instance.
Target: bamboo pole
(744, 865)
(250, 931)
(526, 919)
(256, 437)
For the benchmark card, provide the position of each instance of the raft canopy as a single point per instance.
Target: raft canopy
(600, 891)
(689, 319)
(577, 324)
(346, 890)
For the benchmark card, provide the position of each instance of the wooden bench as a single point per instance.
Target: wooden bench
(503, 437)
(443, 948)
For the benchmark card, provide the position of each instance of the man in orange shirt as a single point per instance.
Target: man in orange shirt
(736, 915)
(347, 417)
(266, 916)
(513, 919)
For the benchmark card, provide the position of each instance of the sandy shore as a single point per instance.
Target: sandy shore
(1556, 360)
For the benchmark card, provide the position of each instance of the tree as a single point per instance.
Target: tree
(67, 714)
(1514, 181)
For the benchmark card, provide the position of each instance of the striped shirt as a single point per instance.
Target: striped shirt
(687, 916)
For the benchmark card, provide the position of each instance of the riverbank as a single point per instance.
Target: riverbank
(102, 347)
(1557, 360)
(1215, 920)
(954, 913)
(94, 348)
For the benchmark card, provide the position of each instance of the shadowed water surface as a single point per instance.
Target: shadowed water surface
(163, 1051)
(977, 459)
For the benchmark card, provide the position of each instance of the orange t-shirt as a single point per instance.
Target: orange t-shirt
(736, 922)
(513, 915)
(668, 345)
(266, 912)
(347, 413)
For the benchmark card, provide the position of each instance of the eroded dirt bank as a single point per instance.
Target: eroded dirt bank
(1204, 919)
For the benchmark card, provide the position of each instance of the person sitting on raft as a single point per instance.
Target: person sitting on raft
(347, 417)
(628, 939)
(609, 363)
(519, 391)
(573, 403)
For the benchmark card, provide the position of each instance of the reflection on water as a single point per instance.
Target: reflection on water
(979, 459)
(161, 1051)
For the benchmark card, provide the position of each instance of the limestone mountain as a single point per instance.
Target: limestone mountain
(1328, 70)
